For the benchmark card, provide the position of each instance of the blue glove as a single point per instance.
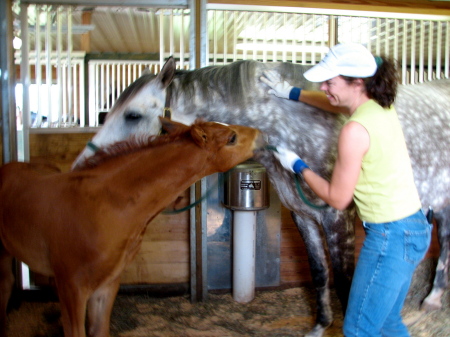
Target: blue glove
(290, 160)
(278, 87)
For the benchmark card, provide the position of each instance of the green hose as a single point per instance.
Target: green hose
(297, 184)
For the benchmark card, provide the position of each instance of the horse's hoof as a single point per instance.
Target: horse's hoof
(433, 300)
(428, 306)
(317, 331)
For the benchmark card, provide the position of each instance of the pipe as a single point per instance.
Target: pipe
(244, 245)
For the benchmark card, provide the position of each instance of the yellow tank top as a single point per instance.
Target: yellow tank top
(385, 190)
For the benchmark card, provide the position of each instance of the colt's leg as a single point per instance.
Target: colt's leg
(73, 300)
(100, 306)
(340, 234)
(433, 300)
(313, 239)
(6, 283)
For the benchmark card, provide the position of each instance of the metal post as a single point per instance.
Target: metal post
(7, 84)
(198, 254)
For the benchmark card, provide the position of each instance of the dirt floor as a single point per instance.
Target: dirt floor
(280, 313)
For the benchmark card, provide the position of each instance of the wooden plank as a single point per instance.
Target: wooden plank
(154, 273)
(58, 149)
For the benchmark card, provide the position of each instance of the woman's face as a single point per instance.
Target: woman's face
(339, 91)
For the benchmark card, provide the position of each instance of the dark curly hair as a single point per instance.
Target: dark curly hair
(382, 87)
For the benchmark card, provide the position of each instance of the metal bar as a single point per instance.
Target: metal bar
(421, 51)
(82, 111)
(25, 79)
(198, 263)
(38, 64)
(213, 23)
(70, 79)
(265, 21)
(171, 35)
(75, 112)
(447, 52)
(439, 49)
(59, 79)
(225, 37)
(284, 51)
(395, 56)
(48, 71)
(161, 37)
(430, 50)
(413, 52)
(182, 29)
(8, 109)
(235, 39)
(404, 57)
(93, 95)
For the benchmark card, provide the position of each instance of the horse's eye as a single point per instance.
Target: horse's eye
(232, 140)
(132, 116)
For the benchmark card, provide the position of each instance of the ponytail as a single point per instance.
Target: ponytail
(382, 86)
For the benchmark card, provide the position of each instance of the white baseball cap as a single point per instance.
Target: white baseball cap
(347, 59)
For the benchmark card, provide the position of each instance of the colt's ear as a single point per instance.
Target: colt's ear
(172, 127)
(199, 135)
(167, 72)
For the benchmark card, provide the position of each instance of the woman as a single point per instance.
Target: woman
(373, 169)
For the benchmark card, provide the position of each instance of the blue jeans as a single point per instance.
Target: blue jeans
(386, 264)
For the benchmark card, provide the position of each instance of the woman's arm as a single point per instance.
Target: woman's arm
(319, 100)
(283, 89)
(353, 144)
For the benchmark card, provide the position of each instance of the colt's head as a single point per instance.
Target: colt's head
(227, 145)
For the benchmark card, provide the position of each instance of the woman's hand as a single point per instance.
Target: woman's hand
(278, 87)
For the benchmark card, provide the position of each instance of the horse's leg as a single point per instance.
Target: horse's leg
(100, 306)
(340, 234)
(6, 284)
(319, 270)
(433, 300)
(73, 298)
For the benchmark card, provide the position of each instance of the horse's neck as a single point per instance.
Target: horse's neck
(160, 173)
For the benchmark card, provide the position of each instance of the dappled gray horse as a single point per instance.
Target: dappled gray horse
(234, 94)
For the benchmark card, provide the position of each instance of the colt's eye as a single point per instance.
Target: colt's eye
(233, 139)
(132, 116)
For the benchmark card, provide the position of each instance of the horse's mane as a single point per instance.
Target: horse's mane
(235, 82)
(232, 82)
(131, 145)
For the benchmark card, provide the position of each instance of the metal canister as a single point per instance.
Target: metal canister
(246, 187)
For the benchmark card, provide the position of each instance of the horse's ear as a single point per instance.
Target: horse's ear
(199, 135)
(146, 71)
(167, 72)
(172, 127)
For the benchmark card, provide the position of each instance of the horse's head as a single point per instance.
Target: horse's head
(226, 145)
(135, 112)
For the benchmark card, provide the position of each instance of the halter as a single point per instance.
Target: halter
(167, 111)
